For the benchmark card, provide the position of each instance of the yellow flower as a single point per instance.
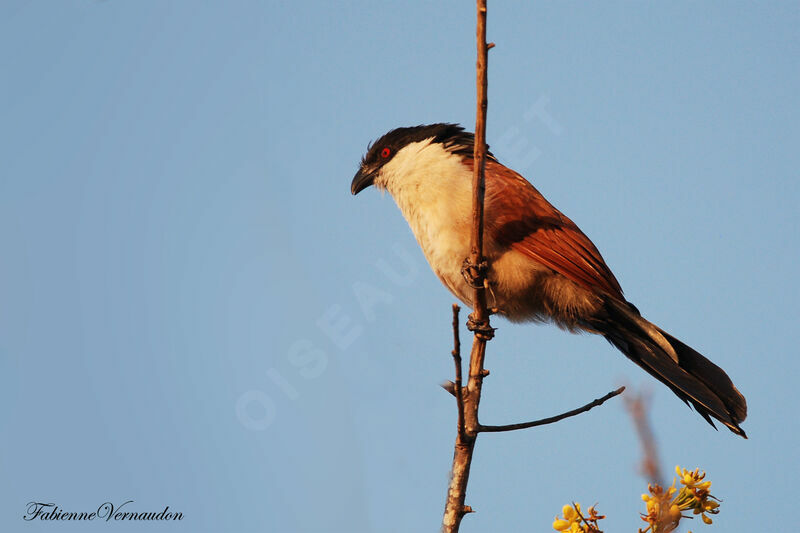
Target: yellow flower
(570, 513)
(695, 494)
(692, 480)
(570, 519)
(662, 514)
(575, 522)
(674, 513)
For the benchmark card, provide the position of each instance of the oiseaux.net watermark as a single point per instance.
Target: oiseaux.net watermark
(256, 409)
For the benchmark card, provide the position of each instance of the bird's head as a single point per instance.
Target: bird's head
(403, 149)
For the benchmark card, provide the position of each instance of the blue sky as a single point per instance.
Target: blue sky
(184, 283)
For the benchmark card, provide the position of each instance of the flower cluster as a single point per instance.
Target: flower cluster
(665, 508)
(695, 494)
(575, 521)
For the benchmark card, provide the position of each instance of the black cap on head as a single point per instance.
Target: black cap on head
(451, 136)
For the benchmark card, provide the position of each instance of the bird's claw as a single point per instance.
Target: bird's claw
(473, 274)
(480, 327)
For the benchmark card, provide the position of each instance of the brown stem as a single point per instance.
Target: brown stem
(475, 269)
(457, 390)
(471, 394)
(552, 419)
(637, 407)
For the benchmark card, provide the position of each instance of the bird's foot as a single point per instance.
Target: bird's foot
(480, 327)
(474, 275)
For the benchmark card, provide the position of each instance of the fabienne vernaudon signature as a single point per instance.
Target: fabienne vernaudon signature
(106, 512)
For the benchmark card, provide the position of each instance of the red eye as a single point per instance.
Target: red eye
(386, 152)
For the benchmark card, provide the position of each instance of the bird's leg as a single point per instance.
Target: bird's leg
(475, 276)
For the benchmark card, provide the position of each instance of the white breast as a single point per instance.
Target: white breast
(432, 188)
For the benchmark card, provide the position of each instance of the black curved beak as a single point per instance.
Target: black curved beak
(363, 179)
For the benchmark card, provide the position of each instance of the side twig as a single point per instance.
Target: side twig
(552, 419)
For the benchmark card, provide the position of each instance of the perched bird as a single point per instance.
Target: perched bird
(541, 265)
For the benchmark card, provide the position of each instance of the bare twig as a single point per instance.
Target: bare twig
(457, 390)
(637, 407)
(552, 419)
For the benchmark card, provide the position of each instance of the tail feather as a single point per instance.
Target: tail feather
(692, 377)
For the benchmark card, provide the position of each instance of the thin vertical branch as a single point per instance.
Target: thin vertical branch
(638, 407)
(478, 265)
(479, 319)
(475, 270)
(476, 259)
(458, 391)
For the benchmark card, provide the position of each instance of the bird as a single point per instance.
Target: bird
(541, 266)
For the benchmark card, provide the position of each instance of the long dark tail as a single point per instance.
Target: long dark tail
(692, 377)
